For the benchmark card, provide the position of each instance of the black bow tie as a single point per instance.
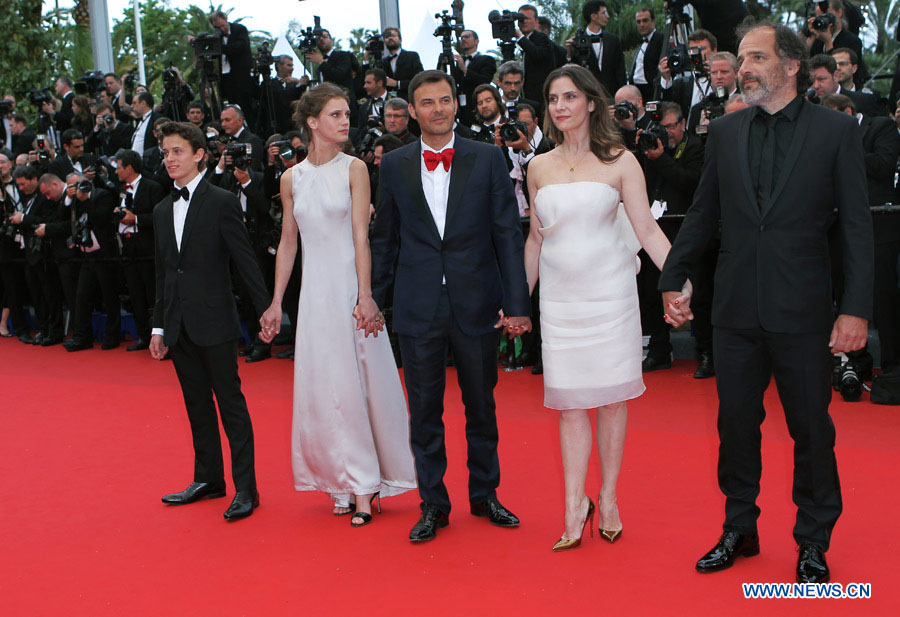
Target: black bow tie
(182, 193)
(392, 56)
(646, 39)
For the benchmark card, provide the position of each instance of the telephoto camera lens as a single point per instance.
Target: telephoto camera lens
(851, 387)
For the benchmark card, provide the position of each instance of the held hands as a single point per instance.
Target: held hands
(368, 317)
(158, 349)
(678, 305)
(849, 334)
(513, 326)
(270, 323)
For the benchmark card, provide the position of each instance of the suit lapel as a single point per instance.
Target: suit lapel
(412, 173)
(803, 120)
(463, 163)
(168, 215)
(193, 212)
(744, 157)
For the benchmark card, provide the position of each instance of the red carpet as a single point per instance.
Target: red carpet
(92, 440)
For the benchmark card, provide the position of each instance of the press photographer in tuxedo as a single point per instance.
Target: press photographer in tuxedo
(338, 67)
(538, 55)
(766, 178)
(400, 65)
(199, 232)
(645, 67)
(234, 124)
(236, 59)
(109, 135)
(605, 61)
(470, 71)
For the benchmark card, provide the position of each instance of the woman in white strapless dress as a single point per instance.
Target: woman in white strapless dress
(350, 434)
(585, 252)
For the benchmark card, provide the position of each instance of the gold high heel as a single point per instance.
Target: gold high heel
(610, 535)
(567, 544)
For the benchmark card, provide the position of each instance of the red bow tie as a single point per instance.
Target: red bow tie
(127, 187)
(432, 159)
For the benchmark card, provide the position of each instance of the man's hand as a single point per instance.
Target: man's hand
(158, 349)
(41, 230)
(460, 62)
(272, 153)
(368, 157)
(315, 56)
(304, 80)
(823, 35)
(241, 175)
(849, 334)
(70, 191)
(90, 174)
(129, 218)
(16, 218)
(392, 83)
(520, 144)
(677, 305)
(656, 152)
(497, 140)
(270, 322)
(664, 72)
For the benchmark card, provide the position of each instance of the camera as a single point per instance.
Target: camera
(375, 49)
(84, 186)
(43, 153)
(625, 110)
(6, 107)
(822, 22)
(130, 79)
(264, 60)
(582, 47)
(648, 138)
(90, 83)
(373, 132)
(482, 133)
(119, 213)
(503, 25)
(170, 78)
(714, 103)
(309, 38)
(81, 234)
(285, 149)
(213, 139)
(509, 130)
(240, 156)
(207, 46)
(847, 381)
(35, 243)
(38, 97)
(109, 121)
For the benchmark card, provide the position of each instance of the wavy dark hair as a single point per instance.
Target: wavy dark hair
(313, 102)
(606, 142)
(788, 46)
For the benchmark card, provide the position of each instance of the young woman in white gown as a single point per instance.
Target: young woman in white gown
(350, 434)
(590, 322)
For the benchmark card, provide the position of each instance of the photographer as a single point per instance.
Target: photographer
(12, 251)
(62, 265)
(827, 32)
(236, 60)
(400, 65)
(371, 111)
(560, 53)
(41, 156)
(470, 71)
(285, 89)
(138, 196)
(645, 69)
(521, 150)
(396, 120)
(629, 113)
(22, 136)
(596, 49)
(338, 67)
(234, 125)
(672, 169)
(177, 95)
(692, 85)
(74, 159)
(62, 119)
(117, 97)
(538, 55)
(510, 79)
(143, 138)
(109, 135)
(489, 114)
(196, 115)
(847, 66)
(723, 68)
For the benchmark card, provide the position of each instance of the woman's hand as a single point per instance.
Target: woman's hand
(270, 323)
(368, 317)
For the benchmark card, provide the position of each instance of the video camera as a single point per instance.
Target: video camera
(90, 83)
(207, 46)
(130, 80)
(239, 154)
(264, 60)
(38, 97)
(582, 47)
(309, 38)
(503, 25)
(655, 131)
(375, 49)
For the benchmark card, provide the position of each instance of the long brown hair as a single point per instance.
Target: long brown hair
(605, 141)
(312, 103)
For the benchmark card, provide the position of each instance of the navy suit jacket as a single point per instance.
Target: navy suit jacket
(480, 255)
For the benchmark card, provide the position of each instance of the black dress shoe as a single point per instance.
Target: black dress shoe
(138, 345)
(242, 506)
(38, 339)
(246, 351)
(287, 354)
(107, 345)
(538, 368)
(654, 364)
(195, 492)
(258, 354)
(48, 341)
(811, 564)
(706, 368)
(432, 520)
(494, 510)
(74, 345)
(26, 339)
(731, 545)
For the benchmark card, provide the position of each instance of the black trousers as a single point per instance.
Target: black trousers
(140, 277)
(46, 297)
(424, 360)
(650, 302)
(67, 269)
(12, 276)
(94, 273)
(703, 279)
(202, 372)
(887, 303)
(745, 362)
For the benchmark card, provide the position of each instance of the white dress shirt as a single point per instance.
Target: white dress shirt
(140, 133)
(701, 88)
(638, 76)
(179, 215)
(598, 47)
(8, 132)
(436, 186)
(226, 66)
(129, 229)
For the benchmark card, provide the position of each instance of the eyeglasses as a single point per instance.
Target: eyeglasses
(671, 126)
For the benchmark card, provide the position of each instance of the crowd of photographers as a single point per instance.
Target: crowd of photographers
(80, 181)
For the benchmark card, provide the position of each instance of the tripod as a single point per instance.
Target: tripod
(209, 85)
(265, 122)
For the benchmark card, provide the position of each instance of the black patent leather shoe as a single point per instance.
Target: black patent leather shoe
(107, 345)
(242, 506)
(706, 368)
(195, 492)
(38, 339)
(139, 345)
(24, 338)
(259, 354)
(538, 368)
(494, 510)
(246, 351)
(73, 345)
(730, 546)
(287, 354)
(426, 529)
(655, 364)
(49, 341)
(811, 564)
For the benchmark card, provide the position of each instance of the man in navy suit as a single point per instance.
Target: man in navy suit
(447, 207)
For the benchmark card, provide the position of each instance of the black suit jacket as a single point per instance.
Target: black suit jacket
(237, 50)
(23, 142)
(881, 144)
(148, 194)
(61, 166)
(651, 58)
(539, 58)
(675, 180)
(107, 143)
(480, 254)
(612, 76)
(99, 209)
(773, 269)
(481, 70)
(193, 285)
(408, 66)
(866, 104)
(63, 118)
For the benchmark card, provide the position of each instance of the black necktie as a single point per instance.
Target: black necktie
(766, 162)
(182, 193)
